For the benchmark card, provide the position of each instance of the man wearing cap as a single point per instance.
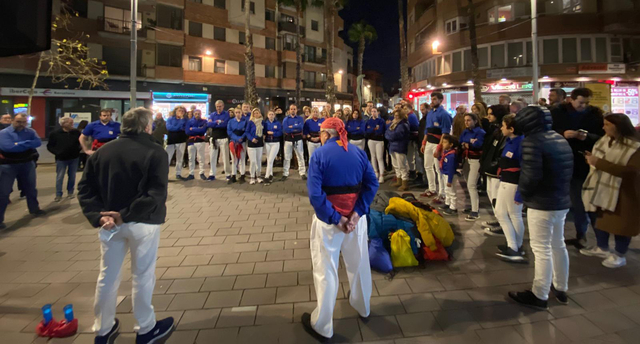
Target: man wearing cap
(340, 201)
(102, 131)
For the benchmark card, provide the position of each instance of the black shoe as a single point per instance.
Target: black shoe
(202, 176)
(511, 256)
(179, 177)
(159, 334)
(304, 177)
(412, 174)
(306, 322)
(503, 248)
(493, 231)
(110, 337)
(467, 211)
(39, 213)
(241, 179)
(190, 177)
(579, 243)
(418, 177)
(211, 178)
(231, 180)
(561, 296)
(449, 211)
(528, 299)
(284, 178)
(443, 207)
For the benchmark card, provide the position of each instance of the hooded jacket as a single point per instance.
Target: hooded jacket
(547, 162)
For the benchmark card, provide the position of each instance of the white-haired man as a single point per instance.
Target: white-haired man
(219, 140)
(64, 143)
(124, 191)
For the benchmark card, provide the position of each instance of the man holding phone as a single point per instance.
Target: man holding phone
(581, 125)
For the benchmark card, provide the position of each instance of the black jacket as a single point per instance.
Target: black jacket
(64, 145)
(492, 147)
(547, 162)
(128, 175)
(566, 118)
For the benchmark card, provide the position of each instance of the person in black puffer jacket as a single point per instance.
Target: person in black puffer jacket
(546, 170)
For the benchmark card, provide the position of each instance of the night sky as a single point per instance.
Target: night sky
(383, 55)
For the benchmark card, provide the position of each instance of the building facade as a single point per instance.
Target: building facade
(189, 51)
(581, 43)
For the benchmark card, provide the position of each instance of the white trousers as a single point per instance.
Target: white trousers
(327, 241)
(546, 231)
(255, 161)
(289, 148)
(196, 148)
(239, 165)
(376, 148)
(312, 146)
(178, 149)
(450, 191)
(222, 147)
(432, 169)
(142, 239)
(400, 165)
(357, 143)
(509, 214)
(272, 149)
(472, 183)
(493, 185)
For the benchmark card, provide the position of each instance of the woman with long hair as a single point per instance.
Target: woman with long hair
(273, 136)
(306, 112)
(355, 129)
(236, 129)
(482, 112)
(325, 114)
(398, 135)
(255, 143)
(471, 141)
(374, 132)
(612, 189)
(177, 137)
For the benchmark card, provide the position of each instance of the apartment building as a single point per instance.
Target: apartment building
(592, 43)
(190, 52)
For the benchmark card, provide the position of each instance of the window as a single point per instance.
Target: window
(309, 79)
(242, 37)
(252, 7)
(270, 43)
(515, 55)
(530, 53)
(169, 17)
(483, 57)
(117, 59)
(572, 6)
(550, 49)
(270, 15)
(439, 65)
(287, 18)
(195, 64)
(497, 56)
(195, 29)
(451, 26)
(169, 55)
(118, 20)
(349, 66)
(289, 42)
(219, 66)
(500, 14)
(310, 53)
(601, 49)
(467, 59)
(314, 25)
(242, 68)
(220, 34)
(219, 4)
(284, 70)
(447, 64)
(616, 50)
(457, 62)
(569, 50)
(198, 1)
(269, 71)
(585, 50)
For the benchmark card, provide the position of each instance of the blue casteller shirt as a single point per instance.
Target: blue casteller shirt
(449, 164)
(275, 127)
(355, 129)
(414, 124)
(374, 129)
(175, 124)
(12, 141)
(219, 120)
(196, 127)
(509, 163)
(102, 132)
(475, 149)
(312, 126)
(296, 123)
(237, 130)
(327, 168)
(438, 123)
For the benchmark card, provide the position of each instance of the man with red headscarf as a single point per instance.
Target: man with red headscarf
(341, 185)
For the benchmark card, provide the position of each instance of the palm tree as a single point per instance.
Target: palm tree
(362, 33)
(477, 88)
(250, 92)
(404, 68)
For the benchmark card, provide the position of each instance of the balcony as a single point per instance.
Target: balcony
(320, 85)
(316, 59)
(290, 27)
(119, 26)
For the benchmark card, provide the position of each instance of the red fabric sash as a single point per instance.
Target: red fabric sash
(442, 157)
(343, 203)
(236, 149)
(511, 169)
(97, 144)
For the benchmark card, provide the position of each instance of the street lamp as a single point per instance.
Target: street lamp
(208, 52)
(434, 47)
(340, 71)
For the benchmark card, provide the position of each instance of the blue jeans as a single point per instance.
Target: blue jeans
(66, 166)
(622, 242)
(581, 218)
(26, 175)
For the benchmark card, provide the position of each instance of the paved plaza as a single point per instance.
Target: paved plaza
(234, 266)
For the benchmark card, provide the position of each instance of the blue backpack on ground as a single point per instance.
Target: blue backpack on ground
(379, 257)
(380, 225)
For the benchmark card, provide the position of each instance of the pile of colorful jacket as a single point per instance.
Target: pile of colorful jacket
(404, 231)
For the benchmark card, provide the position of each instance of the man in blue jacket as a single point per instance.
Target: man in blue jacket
(340, 201)
(17, 161)
(196, 128)
(219, 140)
(292, 126)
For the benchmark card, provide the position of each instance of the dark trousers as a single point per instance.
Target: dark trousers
(580, 217)
(622, 242)
(26, 175)
(69, 167)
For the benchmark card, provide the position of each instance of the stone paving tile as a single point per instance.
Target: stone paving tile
(188, 301)
(199, 319)
(255, 297)
(292, 294)
(237, 316)
(577, 327)
(190, 285)
(221, 299)
(274, 314)
(379, 328)
(282, 279)
(250, 282)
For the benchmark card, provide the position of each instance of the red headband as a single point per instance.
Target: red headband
(338, 125)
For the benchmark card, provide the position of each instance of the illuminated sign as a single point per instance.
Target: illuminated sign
(181, 97)
(508, 87)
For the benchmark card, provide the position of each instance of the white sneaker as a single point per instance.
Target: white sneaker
(260, 180)
(614, 261)
(252, 181)
(381, 180)
(595, 251)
